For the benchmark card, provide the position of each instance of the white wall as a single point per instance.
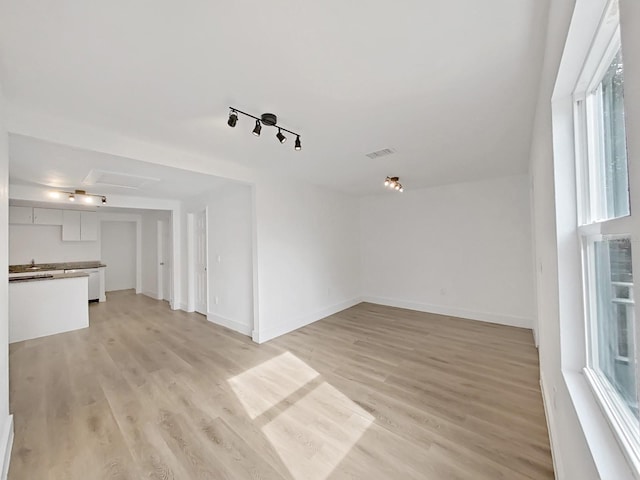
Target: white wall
(6, 421)
(44, 244)
(461, 250)
(308, 255)
(118, 252)
(230, 260)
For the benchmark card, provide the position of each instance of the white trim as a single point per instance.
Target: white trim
(549, 415)
(184, 307)
(254, 261)
(190, 306)
(605, 450)
(230, 324)
(278, 330)
(499, 318)
(621, 422)
(6, 444)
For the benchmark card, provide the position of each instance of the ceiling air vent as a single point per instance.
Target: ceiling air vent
(381, 153)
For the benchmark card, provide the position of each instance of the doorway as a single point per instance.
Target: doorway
(118, 245)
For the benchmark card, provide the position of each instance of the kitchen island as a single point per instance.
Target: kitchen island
(95, 269)
(46, 304)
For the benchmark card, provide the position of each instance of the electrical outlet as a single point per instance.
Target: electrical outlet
(216, 300)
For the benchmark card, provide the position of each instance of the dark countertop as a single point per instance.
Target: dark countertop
(40, 277)
(43, 267)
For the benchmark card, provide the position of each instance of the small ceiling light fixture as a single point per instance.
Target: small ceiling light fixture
(393, 183)
(268, 119)
(257, 129)
(81, 195)
(233, 119)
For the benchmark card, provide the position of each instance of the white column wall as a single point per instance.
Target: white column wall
(308, 261)
(6, 420)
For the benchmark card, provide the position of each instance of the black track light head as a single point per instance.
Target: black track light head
(233, 119)
(257, 129)
(281, 137)
(104, 200)
(298, 144)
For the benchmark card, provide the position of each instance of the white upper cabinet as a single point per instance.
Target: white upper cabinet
(20, 215)
(77, 226)
(70, 226)
(47, 216)
(89, 226)
(35, 216)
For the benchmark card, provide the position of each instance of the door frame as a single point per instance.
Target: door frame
(161, 261)
(191, 259)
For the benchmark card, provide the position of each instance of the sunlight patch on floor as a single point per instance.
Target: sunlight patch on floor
(264, 386)
(311, 433)
(317, 432)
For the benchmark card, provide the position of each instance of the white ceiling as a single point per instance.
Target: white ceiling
(41, 163)
(450, 85)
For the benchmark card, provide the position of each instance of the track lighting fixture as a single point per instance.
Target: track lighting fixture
(257, 129)
(233, 119)
(85, 197)
(268, 119)
(393, 183)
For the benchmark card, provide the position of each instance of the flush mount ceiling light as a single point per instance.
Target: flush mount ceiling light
(393, 183)
(268, 119)
(80, 195)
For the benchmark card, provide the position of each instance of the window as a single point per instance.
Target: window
(605, 234)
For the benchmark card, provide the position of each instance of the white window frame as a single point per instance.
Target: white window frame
(592, 228)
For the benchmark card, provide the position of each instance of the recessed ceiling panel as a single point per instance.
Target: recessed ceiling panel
(115, 179)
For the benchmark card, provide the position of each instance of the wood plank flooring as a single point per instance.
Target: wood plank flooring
(372, 392)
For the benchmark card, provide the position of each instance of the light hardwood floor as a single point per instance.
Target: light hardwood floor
(372, 392)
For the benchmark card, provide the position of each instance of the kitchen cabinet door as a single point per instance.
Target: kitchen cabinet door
(89, 226)
(21, 215)
(70, 225)
(47, 216)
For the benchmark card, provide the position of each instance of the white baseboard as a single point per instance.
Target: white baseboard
(185, 307)
(230, 324)
(278, 330)
(547, 403)
(6, 444)
(511, 320)
(151, 294)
